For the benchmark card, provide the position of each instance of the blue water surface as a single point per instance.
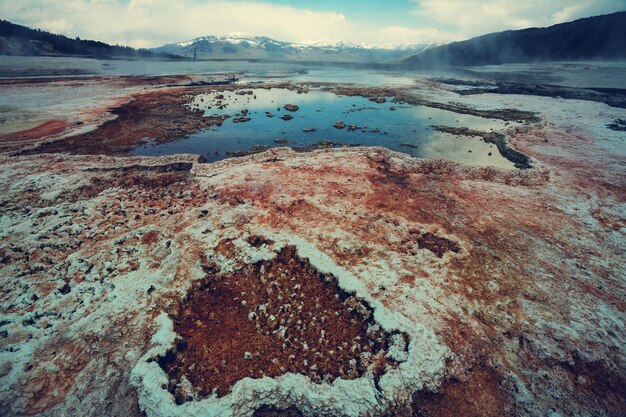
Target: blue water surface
(401, 127)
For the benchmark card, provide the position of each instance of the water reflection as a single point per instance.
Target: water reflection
(396, 126)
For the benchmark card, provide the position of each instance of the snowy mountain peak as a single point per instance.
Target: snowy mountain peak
(328, 43)
(240, 37)
(234, 38)
(245, 46)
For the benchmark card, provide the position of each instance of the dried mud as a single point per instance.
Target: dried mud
(270, 319)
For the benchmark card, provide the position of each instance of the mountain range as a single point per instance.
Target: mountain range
(238, 46)
(598, 37)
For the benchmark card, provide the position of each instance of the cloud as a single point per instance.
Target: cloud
(146, 23)
(476, 17)
(54, 25)
(401, 34)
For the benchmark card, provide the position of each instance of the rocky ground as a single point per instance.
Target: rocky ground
(338, 282)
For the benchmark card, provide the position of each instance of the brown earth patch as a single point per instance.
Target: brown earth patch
(416, 240)
(268, 319)
(481, 395)
(151, 237)
(125, 180)
(258, 241)
(596, 383)
(437, 245)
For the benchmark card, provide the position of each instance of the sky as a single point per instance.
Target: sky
(151, 23)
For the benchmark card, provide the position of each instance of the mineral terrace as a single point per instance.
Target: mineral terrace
(338, 282)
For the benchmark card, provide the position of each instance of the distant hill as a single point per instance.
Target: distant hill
(264, 48)
(21, 40)
(599, 37)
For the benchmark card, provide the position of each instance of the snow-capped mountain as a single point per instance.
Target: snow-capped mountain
(242, 46)
(327, 43)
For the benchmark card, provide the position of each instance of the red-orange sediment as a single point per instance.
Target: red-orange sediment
(46, 128)
(268, 319)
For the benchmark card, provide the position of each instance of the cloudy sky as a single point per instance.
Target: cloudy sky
(148, 23)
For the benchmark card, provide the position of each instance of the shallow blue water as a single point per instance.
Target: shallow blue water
(377, 124)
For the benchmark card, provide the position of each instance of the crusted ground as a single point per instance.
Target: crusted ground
(509, 284)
